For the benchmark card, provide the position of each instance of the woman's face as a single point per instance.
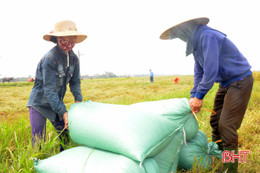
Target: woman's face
(66, 43)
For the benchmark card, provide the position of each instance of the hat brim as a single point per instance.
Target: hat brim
(167, 35)
(80, 36)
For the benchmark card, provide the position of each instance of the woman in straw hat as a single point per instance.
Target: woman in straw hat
(217, 59)
(56, 69)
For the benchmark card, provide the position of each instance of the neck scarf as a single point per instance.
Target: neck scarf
(184, 32)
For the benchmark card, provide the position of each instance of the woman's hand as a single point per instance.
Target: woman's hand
(65, 119)
(195, 104)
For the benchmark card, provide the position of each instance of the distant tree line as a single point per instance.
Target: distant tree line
(105, 75)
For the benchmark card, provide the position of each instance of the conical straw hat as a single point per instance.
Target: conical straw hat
(166, 35)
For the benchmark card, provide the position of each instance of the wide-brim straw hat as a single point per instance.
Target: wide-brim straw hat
(65, 28)
(166, 35)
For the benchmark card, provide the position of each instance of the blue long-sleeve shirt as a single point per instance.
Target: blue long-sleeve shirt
(217, 59)
(52, 77)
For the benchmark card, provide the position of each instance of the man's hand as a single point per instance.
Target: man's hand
(77, 101)
(65, 119)
(195, 104)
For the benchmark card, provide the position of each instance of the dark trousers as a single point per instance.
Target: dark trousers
(230, 105)
(38, 126)
(151, 78)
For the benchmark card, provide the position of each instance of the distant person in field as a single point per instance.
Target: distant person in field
(56, 69)
(151, 76)
(217, 59)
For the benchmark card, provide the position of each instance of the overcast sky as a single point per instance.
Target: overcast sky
(123, 35)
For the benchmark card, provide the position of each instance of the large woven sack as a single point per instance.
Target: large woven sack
(167, 160)
(83, 159)
(120, 129)
(198, 152)
(177, 110)
(87, 160)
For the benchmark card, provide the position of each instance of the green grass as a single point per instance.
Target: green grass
(16, 152)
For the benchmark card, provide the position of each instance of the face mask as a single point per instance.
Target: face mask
(66, 45)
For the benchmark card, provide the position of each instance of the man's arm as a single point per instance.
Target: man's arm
(210, 52)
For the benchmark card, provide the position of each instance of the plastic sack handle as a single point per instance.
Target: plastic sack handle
(203, 110)
(197, 118)
(209, 111)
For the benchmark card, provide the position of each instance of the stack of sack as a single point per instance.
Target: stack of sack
(139, 138)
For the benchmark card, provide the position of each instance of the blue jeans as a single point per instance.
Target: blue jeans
(38, 126)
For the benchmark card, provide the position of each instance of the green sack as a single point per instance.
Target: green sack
(167, 160)
(84, 159)
(120, 129)
(198, 152)
(177, 110)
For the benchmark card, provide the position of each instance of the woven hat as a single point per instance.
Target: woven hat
(65, 28)
(168, 34)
